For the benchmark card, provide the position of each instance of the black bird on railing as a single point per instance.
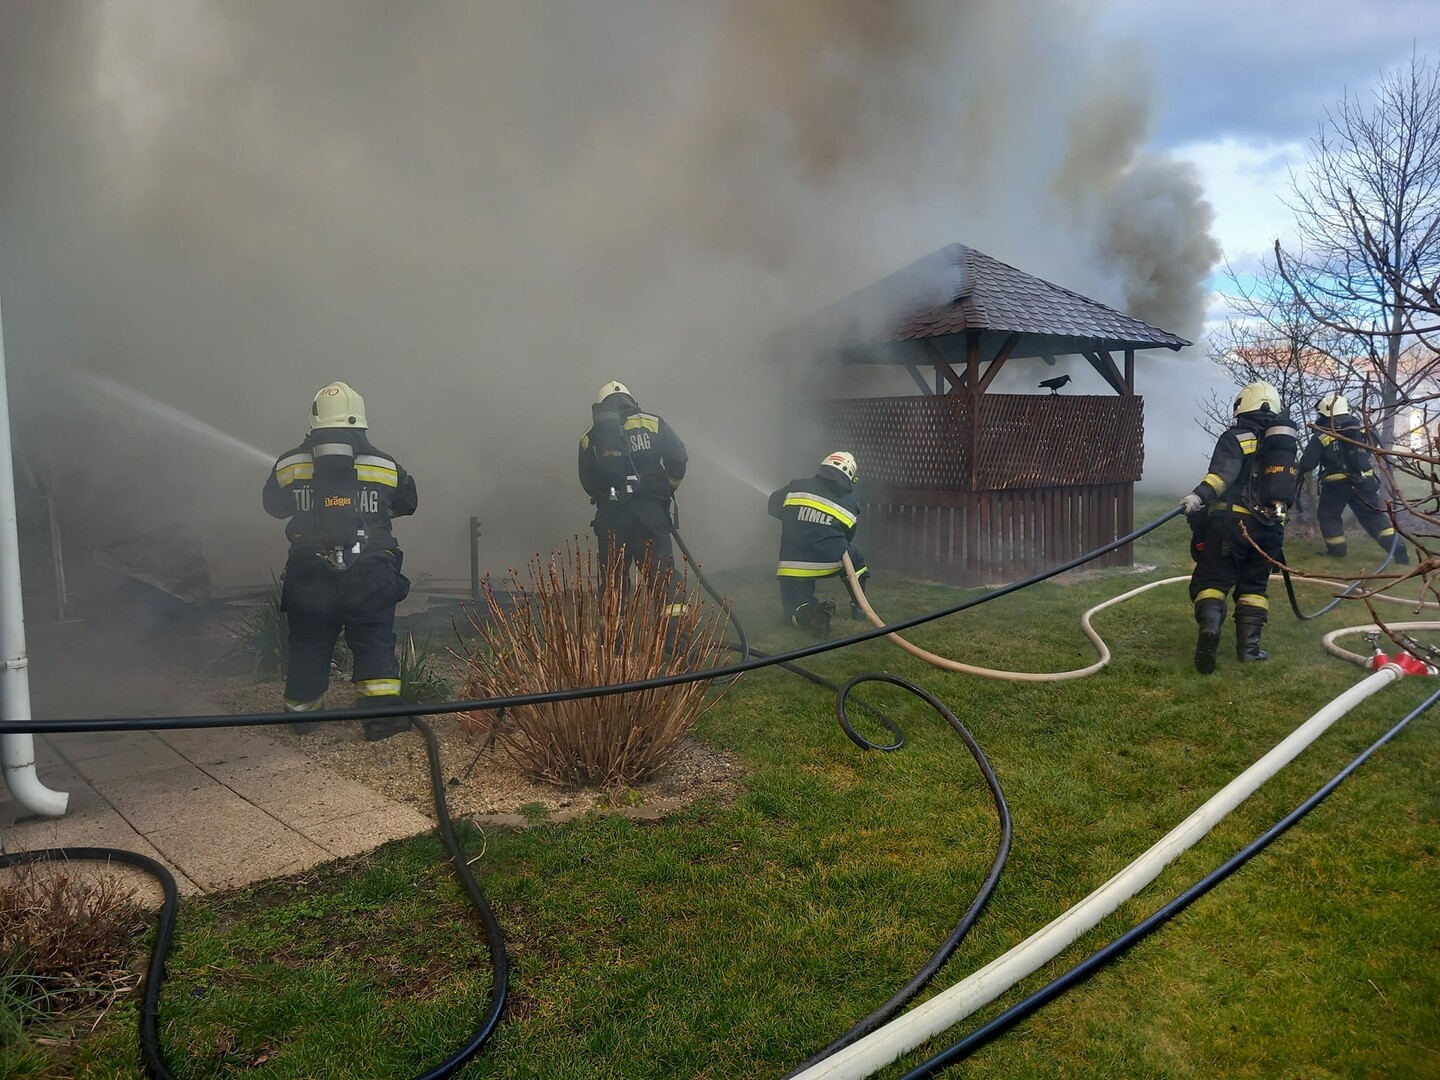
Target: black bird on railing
(1053, 385)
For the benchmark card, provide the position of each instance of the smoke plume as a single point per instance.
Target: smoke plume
(477, 211)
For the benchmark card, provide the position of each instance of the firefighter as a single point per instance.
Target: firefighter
(1347, 478)
(819, 515)
(343, 573)
(631, 463)
(1252, 479)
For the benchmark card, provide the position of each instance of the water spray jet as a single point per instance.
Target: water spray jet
(176, 417)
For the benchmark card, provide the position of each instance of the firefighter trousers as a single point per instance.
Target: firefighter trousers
(321, 603)
(640, 527)
(796, 592)
(1365, 502)
(1225, 560)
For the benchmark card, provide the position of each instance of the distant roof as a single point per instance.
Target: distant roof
(959, 289)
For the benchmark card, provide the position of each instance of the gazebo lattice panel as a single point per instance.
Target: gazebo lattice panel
(1053, 479)
(1025, 440)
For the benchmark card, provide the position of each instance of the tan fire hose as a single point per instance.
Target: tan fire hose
(946, 664)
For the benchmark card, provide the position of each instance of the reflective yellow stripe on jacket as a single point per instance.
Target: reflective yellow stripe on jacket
(295, 467)
(371, 469)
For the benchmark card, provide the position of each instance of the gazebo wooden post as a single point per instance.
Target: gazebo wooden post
(973, 561)
(1130, 371)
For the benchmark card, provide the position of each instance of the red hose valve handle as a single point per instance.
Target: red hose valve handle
(1412, 666)
(1404, 661)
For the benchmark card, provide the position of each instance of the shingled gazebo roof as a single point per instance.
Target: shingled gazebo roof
(958, 290)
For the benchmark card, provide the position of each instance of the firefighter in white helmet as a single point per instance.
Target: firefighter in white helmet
(1338, 446)
(1252, 481)
(338, 494)
(631, 463)
(818, 518)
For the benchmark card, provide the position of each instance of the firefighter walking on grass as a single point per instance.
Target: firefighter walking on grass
(338, 494)
(1347, 478)
(818, 518)
(631, 463)
(1251, 483)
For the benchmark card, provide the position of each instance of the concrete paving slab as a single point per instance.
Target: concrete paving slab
(78, 746)
(212, 746)
(304, 797)
(139, 755)
(346, 836)
(252, 770)
(222, 807)
(162, 800)
(238, 847)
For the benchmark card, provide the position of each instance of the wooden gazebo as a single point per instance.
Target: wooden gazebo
(961, 485)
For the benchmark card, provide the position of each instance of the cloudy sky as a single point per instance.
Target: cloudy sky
(1244, 83)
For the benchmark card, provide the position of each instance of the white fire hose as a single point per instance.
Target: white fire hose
(911, 1029)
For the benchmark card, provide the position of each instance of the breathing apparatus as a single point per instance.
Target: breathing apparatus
(612, 405)
(1275, 473)
(339, 525)
(1358, 462)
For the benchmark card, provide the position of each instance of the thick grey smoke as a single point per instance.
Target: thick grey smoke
(476, 212)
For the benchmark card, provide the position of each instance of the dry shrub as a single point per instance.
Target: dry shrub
(562, 630)
(65, 941)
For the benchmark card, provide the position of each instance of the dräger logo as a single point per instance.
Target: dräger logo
(337, 500)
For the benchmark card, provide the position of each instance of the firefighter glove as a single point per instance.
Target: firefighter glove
(1192, 503)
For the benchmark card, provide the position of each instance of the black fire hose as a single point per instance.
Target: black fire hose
(744, 647)
(947, 948)
(1295, 604)
(993, 1029)
(547, 697)
(150, 1051)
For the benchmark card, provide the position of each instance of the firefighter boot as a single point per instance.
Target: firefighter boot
(1210, 617)
(382, 727)
(815, 617)
(1395, 547)
(304, 727)
(1247, 638)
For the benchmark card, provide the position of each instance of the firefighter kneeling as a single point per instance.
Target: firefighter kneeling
(819, 516)
(1251, 480)
(343, 572)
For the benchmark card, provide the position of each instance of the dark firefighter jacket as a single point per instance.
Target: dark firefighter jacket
(381, 489)
(1227, 484)
(819, 514)
(649, 450)
(1338, 460)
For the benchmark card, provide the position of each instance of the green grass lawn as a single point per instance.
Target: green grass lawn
(733, 942)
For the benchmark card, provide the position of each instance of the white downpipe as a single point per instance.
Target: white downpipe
(17, 752)
(948, 1008)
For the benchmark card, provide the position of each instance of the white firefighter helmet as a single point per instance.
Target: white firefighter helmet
(1257, 397)
(614, 386)
(1334, 405)
(842, 461)
(338, 406)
